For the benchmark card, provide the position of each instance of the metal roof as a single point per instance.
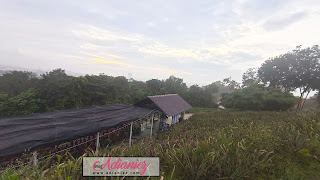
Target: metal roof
(170, 104)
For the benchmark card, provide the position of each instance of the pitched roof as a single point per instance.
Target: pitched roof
(170, 104)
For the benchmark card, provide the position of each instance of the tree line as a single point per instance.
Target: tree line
(23, 92)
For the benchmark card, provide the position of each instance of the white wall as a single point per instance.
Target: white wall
(169, 119)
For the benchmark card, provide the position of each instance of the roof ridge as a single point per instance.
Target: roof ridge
(162, 95)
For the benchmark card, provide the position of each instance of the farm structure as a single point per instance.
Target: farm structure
(63, 130)
(42, 135)
(170, 108)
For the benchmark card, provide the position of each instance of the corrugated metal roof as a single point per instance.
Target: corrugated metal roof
(171, 104)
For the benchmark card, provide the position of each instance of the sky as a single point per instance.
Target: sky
(199, 41)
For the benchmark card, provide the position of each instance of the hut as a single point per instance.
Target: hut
(171, 107)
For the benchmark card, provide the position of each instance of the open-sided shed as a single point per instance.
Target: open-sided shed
(171, 105)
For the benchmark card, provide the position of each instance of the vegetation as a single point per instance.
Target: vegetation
(217, 145)
(24, 92)
(297, 69)
(259, 98)
(214, 144)
(311, 103)
(268, 87)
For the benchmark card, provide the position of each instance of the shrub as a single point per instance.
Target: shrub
(256, 97)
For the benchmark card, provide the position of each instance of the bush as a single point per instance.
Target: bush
(256, 97)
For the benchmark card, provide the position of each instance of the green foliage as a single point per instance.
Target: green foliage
(156, 86)
(24, 103)
(297, 69)
(16, 82)
(217, 145)
(232, 84)
(9, 174)
(256, 97)
(250, 77)
(200, 109)
(23, 92)
(201, 96)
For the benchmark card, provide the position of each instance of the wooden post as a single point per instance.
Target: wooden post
(35, 160)
(97, 143)
(184, 114)
(130, 133)
(160, 119)
(151, 124)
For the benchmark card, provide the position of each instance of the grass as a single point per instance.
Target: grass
(217, 145)
(201, 109)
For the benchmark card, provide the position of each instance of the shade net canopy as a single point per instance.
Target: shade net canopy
(28, 132)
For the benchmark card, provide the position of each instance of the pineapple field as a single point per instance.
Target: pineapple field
(212, 144)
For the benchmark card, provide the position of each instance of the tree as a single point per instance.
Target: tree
(155, 86)
(71, 93)
(257, 97)
(250, 77)
(299, 69)
(23, 92)
(25, 103)
(199, 97)
(138, 91)
(174, 85)
(16, 82)
(211, 89)
(232, 84)
(49, 88)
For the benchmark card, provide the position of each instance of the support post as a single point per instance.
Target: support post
(184, 114)
(35, 159)
(151, 124)
(97, 143)
(160, 121)
(130, 133)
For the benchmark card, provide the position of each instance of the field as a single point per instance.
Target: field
(217, 145)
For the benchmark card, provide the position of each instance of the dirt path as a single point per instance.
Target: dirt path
(187, 116)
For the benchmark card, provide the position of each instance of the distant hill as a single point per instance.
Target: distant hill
(4, 69)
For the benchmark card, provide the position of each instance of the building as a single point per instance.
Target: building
(170, 106)
(45, 134)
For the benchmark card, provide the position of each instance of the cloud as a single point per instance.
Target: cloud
(282, 22)
(97, 33)
(216, 38)
(215, 55)
(99, 54)
(106, 11)
(159, 49)
(151, 24)
(170, 71)
(104, 61)
(119, 63)
(258, 9)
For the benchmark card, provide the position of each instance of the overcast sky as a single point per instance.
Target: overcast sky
(200, 41)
